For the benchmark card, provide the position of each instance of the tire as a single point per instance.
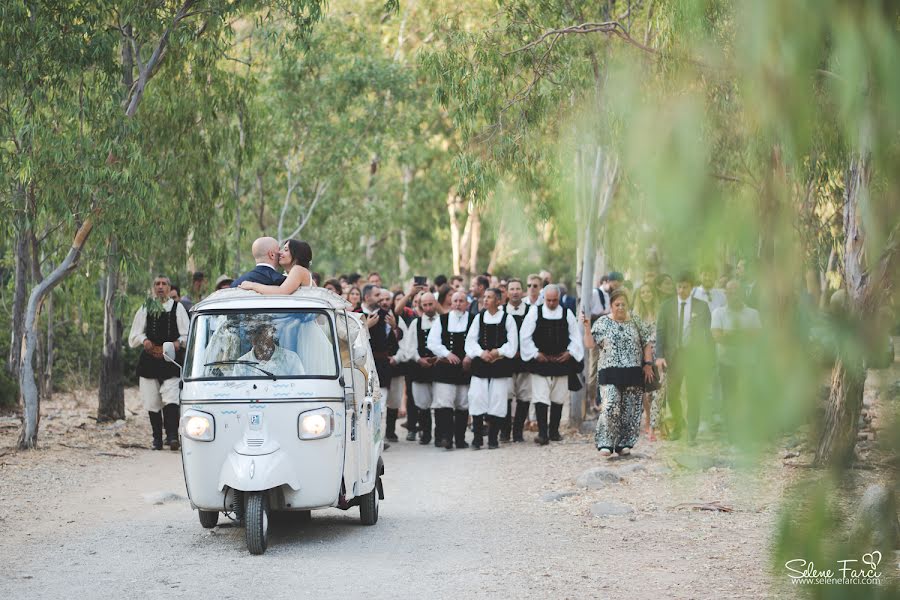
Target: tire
(368, 506)
(256, 518)
(208, 518)
(305, 516)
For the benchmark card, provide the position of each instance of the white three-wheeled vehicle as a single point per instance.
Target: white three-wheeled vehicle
(280, 409)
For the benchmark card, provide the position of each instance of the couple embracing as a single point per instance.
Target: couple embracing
(294, 257)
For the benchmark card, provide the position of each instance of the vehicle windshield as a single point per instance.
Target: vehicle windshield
(261, 345)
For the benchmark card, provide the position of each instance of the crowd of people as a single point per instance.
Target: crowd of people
(501, 355)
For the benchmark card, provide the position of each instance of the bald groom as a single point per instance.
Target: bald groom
(266, 252)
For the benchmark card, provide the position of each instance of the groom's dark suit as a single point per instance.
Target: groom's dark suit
(261, 274)
(689, 357)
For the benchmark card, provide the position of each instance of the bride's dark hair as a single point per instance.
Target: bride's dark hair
(301, 252)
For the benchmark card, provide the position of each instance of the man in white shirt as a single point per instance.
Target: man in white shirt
(552, 342)
(447, 340)
(734, 327)
(533, 296)
(423, 360)
(520, 386)
(160, 320)
(705, 291)
(268, 356)
(491, 343)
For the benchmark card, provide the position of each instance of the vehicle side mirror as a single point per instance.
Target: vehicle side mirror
(169, 353)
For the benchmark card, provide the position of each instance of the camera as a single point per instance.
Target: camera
(419, 280)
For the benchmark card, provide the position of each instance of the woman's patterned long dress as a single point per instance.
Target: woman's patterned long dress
(621, 345)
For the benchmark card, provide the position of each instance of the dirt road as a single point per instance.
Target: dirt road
(459, 524)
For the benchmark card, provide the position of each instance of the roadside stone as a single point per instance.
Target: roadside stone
(876, 519)
(702, 462)
(608, 509)
(633, 468)
(556, 496)
(597, 478)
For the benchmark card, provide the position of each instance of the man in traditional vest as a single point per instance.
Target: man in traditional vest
(551, 342)
(520, 385)
(447, 340)
(491, 343)
(384, 340)
(422, 359)
(160, 320)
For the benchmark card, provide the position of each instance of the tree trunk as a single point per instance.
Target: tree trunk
(20, 291)
(368, 240)
(27, 383)
(404, 203)
(474, 235)
(837, 437)
(47, 380)
(453, 204)
(111, 400)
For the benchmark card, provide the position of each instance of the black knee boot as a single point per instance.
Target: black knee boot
(412, 420)
(555, 417)
(506, 422)
(460, 423)
(424, 426)
(519, 422)
(170, 420)
(389, 432)
(494, 425)
(540, 410)
(156, 424)
(478, 430)
(444, 431)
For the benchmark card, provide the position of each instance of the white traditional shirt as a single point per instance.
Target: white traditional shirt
(509, 349)
(599, 308)
(540, 300)
(728, 319)
(529, 350)
(456, 323)
(139, 325)
(411, 339)
(518, 311)
(282, 362)
(714, 297)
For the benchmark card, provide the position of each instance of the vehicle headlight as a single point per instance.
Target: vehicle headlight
(198, 426)
(315, 424)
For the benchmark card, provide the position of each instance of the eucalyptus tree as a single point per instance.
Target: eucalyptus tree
(83, 70)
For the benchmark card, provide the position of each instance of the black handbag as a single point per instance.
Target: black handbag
(654, 385)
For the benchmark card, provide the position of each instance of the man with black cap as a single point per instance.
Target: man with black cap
(447, 340)
(160, 320)
(551, 341)
(491, 343)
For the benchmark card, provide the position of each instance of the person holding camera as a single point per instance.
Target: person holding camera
(384, 339)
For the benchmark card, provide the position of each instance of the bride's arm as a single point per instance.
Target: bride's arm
(296, 277)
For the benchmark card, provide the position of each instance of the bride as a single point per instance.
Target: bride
(295, 258)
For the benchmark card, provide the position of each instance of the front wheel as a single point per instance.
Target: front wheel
(368, 506)
(256, 517)
(208, 518)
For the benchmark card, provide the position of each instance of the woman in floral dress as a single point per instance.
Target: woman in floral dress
(625, 365)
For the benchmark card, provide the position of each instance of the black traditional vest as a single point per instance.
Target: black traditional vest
(490, 336)
(159, 329)
(518, 365)
(456, 343)
(551, 338)
(416, 373)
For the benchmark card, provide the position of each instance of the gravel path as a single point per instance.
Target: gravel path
(460, 524)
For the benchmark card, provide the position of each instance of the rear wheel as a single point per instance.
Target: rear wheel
(208, 518)
(256, 518)
(368, 506)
